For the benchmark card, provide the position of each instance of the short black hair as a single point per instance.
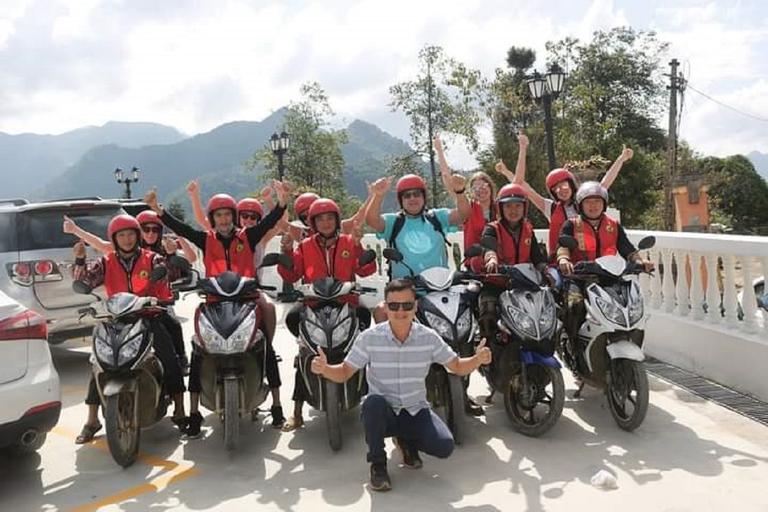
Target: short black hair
(399, 285)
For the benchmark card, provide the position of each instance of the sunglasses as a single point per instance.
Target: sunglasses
(152, 229)
(250, 216)
(412, 194)
(480, 187)
(395, 306)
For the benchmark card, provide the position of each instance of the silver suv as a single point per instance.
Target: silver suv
(36, 258)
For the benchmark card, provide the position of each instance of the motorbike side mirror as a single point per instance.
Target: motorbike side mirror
(158, 274)
(646, 242)
(568, 242)
(489, 243)
(81, 288)
(392, 254)
(180, 263)
(474, 250)
(367, 256)
(763, 302)
(274, 258)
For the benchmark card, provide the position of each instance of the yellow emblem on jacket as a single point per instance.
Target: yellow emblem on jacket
(527, 241)
(609, 228)
(143, 274)
(239, 247)
(345, 253)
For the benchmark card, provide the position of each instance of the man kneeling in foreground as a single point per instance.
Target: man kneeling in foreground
(398, 354)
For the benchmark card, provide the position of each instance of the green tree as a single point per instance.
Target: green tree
(446, 97)
(738, 193)
(177, 210)
(314, 161)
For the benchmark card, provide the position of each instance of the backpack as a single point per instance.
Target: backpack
(429, 215)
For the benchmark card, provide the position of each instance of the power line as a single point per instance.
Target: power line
(726, 105)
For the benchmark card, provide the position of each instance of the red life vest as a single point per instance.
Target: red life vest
(237, 258)
(474, 225)
(117, 279)
(557, 218)
(593, 244)
(509, 252)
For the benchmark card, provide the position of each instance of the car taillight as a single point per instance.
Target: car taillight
(27, 272)
(26, 325)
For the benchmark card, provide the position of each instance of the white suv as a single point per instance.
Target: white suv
(29, 384)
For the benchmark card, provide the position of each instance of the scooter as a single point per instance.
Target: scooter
(128, 375)
(230, 340)
(610, 340)
(446, 307)
(328, 322)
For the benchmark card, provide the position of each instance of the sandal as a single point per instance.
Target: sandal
(88, 433)
(292, 423)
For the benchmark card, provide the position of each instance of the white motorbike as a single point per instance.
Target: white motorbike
(610, 340)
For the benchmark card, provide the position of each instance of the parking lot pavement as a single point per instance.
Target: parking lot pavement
(688, 455)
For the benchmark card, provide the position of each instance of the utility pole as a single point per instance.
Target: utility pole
(674, 88)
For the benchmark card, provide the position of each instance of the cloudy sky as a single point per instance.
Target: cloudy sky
(195, 64)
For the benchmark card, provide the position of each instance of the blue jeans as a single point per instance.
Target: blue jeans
(424, 432)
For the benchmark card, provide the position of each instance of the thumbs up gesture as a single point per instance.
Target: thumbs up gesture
(319, 362)
(482, 352)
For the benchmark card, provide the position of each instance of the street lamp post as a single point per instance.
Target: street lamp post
(544, 90)
(127, 181)
(280, 145)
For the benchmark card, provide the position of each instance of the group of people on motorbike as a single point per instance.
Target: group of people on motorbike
(396, 352)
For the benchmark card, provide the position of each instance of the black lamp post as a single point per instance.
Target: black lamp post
(544, 90)
(132, 179)
(280, 145)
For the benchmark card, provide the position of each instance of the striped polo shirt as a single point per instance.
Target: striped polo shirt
(397, 370)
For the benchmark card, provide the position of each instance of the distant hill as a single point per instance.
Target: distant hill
(216, 159)
(760, 161)
(31, 159)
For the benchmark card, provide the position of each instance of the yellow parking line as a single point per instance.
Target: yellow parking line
(175, 473)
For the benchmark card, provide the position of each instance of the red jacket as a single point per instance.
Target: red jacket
(595, 243)
(474, 225)
(509, 252)
(117, 279)
(313, 261)
(557, 218)
(237, 258)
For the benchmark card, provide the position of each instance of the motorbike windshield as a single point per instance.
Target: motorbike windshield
(120, 303)
(438, 278)
(614, 265)
(327, 287)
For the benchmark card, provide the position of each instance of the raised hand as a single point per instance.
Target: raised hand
(458, 182)
(483, 353)
(381, 186)
(522, 139)
(79, 250)
(151, 199)
(626, 153)
(283, 191)
(69, 226)
(170, 246)
(501, 168)
(438, 144)
(319, 362)
(266, 194)
(193, 188)
(286, 243)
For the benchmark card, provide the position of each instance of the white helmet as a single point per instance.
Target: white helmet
(592, 189)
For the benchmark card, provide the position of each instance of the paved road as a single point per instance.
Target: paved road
(688, 455)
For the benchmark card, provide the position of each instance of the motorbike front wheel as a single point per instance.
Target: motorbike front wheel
(535, 412)
(333, 413)
(122, 428)
(231, 413)
(628, 393)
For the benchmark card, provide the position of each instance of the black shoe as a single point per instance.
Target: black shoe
(411, 458)
(379, 477)
(277, 416)
(472, 408)
(184, 365)
(193, 425)
(181, 422)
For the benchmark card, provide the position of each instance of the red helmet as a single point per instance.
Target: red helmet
(120, 223)
(555, 176)
(321, 206)
(148, 217)
(411, 182)
(221, 202)
(511, 193)
(250, 204)
(303, 202)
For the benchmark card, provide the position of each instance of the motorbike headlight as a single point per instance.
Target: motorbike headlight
(315, 333)
(547, 320)
(442, 326)
(104, 351)
(523, 322)
(341, 332)
(239, 339)
(636, 311)
(464, 323)
(131, 344)
(611, 311)
(212, 340)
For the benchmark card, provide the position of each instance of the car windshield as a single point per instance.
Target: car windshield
(42, 229)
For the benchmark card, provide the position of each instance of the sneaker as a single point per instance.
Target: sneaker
(193, 425)
(472, 408)
(379, 477)
(277, 416)
(411, 458)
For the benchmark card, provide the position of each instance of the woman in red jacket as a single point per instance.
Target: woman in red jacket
(326, 253)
